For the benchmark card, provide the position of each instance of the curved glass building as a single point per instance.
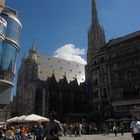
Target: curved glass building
(10, 28)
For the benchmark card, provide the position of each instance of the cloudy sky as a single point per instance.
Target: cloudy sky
(70, 52)
(59, 27)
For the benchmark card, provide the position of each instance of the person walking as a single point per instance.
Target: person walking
(121, 127)
(38, 135)
(53, 128)
(1, 135)
(135, 128)
(115, 129)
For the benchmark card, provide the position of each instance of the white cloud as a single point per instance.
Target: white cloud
(71, 53)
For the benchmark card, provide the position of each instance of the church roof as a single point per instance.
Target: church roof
(47, 65)
(116, 41)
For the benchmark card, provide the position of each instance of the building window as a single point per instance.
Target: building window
(130, 50)
(103, 69)
(138, 47)
(96, 71)
(94, 62)
(133, 73)
(104, 79)
(115, 66)
(96, 94)
(102, 59)
(104, 94)
(114, 55)
(95, 82)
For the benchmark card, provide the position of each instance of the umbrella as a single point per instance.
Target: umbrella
(14, 119)
(2, 123)
(111, 120)
(124, 119)
(21, 118)
(34, 118)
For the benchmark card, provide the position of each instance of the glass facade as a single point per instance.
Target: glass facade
(3, 25)
(10, 28)
(7, 61)
(13, 28)
(1, 48)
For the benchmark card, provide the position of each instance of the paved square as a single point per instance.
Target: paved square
(126, 136)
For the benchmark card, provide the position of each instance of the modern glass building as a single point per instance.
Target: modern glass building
(10, 28)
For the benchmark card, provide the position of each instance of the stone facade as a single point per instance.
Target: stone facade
(47, 83)
(114, 69)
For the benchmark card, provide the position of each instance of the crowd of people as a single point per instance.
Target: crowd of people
(18, 132)
(49, 131)
(52, 130)
(76, 129)
(55, 129)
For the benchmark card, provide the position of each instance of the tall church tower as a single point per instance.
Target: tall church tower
(96, 40)
(33, 53)
(96, 36)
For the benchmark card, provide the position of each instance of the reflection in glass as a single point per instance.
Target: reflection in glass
(13, 28)
(2, 29)
(7, 61)
(10, 28)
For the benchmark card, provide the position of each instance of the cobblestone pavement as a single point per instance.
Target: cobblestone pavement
(126, 136)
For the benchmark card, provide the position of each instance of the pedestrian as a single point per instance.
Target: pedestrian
(115, 129)
(70, 129)
(76, 129)
(1, 135)
(18, 134)
(53, 128)
(64, 126)
(38, 135)
(9, 135)
(121, 127)
(135, 128)
(80, 129)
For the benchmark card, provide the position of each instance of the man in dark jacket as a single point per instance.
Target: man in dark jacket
(53, 128)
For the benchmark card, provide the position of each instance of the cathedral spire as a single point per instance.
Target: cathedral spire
(33, 46)
(96, 36)
(94, 13)
(24, 57)
(33, 52)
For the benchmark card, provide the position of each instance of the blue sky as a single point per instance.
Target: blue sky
(55, 25)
